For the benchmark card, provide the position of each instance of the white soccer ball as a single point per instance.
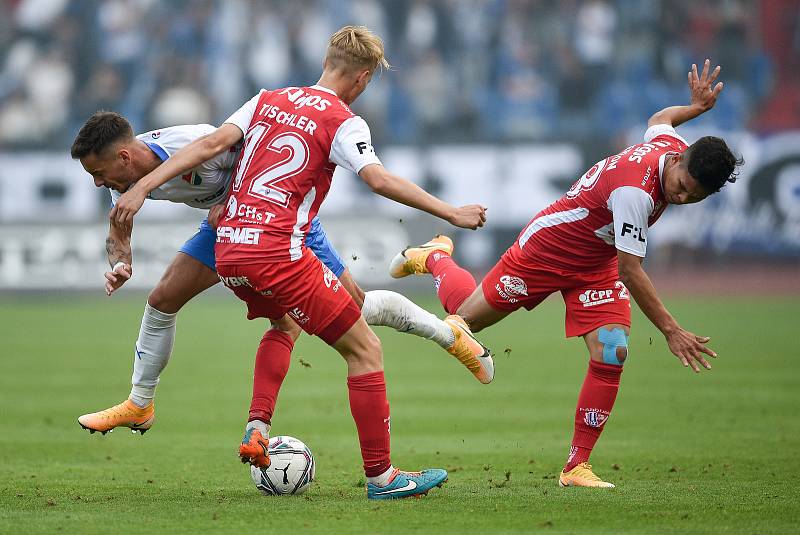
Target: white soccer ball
(291, 468)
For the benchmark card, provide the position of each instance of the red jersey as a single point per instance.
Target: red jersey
(293, 140)
(610, 207)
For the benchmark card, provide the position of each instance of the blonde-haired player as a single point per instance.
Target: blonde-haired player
(294, 138)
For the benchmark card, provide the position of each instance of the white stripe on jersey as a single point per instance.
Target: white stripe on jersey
(550, 220)
(298, 237)
(661, 130)
(203, 186)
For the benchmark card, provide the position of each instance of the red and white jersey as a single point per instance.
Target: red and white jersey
(293, 140)
(609, 208)
(200, 187)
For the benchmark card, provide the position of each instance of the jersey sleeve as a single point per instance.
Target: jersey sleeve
(244, 115)
(662, 130)
(631, 208)
(115, 195)
(352, 145)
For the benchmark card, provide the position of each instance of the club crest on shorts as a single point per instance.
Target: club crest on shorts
(594, 418)
(514, 285)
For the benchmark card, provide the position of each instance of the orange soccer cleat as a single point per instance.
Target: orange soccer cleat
(411, 261)
(126, 414)
(582, 476)
(471, 353)
(254, 448)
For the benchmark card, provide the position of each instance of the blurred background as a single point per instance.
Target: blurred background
(503, 102)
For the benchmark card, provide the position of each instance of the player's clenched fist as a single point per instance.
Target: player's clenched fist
(470, 216)
(118, 276)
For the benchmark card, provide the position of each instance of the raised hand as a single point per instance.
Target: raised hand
(702, 89)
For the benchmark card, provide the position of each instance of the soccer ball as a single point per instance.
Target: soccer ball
(291, 468)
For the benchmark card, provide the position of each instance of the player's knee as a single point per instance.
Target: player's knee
(287, 326)
(161, 299)
(367, 352)
(613, 346)
(373, 351)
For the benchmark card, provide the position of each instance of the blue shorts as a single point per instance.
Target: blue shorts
(201, 247)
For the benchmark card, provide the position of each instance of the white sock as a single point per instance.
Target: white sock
(263, 427)
(153, 349)
(383, 479)
(390, 309)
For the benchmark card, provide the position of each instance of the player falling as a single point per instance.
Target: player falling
(589, 245)
(294, 138)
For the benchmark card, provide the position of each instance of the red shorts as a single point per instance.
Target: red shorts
(592, 299)
(305, 289)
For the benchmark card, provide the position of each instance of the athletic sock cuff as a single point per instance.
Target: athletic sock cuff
(433, 258)
(610, 373)
(155, 314)
(279, 337)
(369, 382)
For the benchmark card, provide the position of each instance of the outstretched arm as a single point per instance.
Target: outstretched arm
(703, 94)
(688, 347)
(405, 192)
(198, 151)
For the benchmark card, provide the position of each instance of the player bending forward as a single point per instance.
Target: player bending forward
(589, 245)
(116, 159)
(294, 138)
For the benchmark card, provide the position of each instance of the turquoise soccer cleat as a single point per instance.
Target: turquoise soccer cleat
(407, 484)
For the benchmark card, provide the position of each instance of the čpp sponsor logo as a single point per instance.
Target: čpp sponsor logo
(590, 298)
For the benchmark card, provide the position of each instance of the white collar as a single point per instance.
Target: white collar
(661, 161)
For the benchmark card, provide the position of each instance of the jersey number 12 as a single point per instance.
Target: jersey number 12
(291, 151)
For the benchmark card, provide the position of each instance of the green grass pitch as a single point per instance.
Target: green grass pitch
(709, 453)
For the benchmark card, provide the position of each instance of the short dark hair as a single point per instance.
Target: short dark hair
(101, 130)
(711, 163)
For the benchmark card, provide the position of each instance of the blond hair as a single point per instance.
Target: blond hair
(355, 47)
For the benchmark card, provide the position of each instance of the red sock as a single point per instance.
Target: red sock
(370, 410)
(594, 406)
(453, 283)
(272, 363)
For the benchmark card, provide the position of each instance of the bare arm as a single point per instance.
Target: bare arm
(120, 257)
(688, 347)
(703, 98)
(198, 151)
(405, 192)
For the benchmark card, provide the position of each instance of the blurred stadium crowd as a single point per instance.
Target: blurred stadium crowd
(464, 70)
